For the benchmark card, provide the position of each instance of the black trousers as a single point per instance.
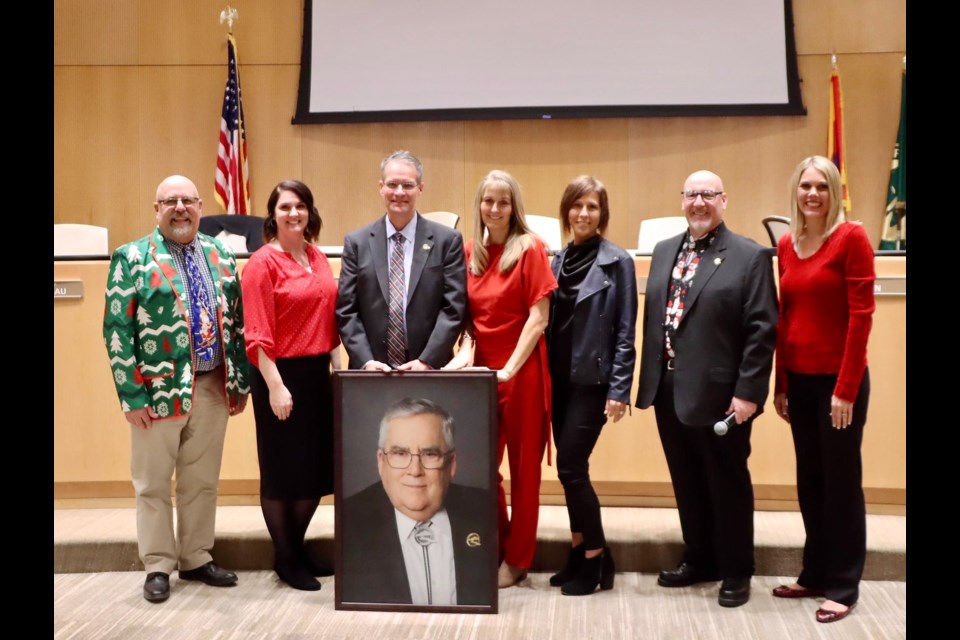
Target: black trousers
(829, 486)
(712, 486)
(578, 418)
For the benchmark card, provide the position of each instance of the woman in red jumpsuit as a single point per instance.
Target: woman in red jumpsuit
(509, 282)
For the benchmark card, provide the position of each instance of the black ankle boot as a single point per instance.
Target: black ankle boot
(596, 571)
(569, 571)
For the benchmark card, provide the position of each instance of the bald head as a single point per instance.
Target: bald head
(703, 202)
(178, 208)
(704, 177)
(182, 185)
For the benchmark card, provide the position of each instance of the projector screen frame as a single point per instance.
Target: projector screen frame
(793, 107)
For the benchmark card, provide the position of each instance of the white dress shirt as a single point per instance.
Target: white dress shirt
(409, 234)
(443, 573)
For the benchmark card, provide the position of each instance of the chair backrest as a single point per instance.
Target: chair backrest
(548, 229)
(80, 240)
(653, 230)
(243, 234)
(776, 226)
(446, 218)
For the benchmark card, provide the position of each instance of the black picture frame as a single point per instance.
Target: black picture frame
(369, 568)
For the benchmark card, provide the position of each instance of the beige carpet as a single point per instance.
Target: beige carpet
(110, 606)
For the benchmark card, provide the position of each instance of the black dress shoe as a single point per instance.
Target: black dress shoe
(157, 587)
(210, 574)
(734, 592)
(683, 576)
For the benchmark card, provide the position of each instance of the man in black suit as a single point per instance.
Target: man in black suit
(432, 300)
(709, 332)
(414, 537)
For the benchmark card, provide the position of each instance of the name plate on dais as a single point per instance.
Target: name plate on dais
(890, 286)
(67, 289)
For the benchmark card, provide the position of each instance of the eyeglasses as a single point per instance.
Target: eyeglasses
(188, 201)
(403, 186)
(429, 458)
(708, 196)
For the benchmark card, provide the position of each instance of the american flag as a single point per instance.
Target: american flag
(233, 183)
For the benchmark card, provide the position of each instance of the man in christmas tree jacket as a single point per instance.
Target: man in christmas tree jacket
(173, 327)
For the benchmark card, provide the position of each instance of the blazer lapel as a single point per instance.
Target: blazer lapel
(596, 278)
(422, 246)
(161, 255)
(710, 263)
(658, 281)
(378, 249)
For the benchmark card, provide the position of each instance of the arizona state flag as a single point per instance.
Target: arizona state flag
(895, 219)
(836, 144)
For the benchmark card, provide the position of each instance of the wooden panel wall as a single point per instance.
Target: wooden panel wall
(138, 88)
(92, 443)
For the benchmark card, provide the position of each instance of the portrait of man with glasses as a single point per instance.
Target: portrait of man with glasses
(416, 537)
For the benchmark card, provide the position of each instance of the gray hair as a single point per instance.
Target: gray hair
(409, 407)
(403, 156)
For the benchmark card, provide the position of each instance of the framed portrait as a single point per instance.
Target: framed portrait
(416, 491)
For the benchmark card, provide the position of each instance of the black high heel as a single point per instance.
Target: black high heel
(574, 559)
(594, 572)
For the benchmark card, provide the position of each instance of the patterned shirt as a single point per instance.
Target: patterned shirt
(680, 281)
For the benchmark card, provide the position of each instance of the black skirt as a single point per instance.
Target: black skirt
(296, 455)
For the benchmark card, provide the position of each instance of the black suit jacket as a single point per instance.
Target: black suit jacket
(373, 569)
(436, 298)
(727, 334)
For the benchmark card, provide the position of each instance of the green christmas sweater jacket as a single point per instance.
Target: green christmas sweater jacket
(147, 330)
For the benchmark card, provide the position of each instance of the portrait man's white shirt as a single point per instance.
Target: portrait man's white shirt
(443, 574)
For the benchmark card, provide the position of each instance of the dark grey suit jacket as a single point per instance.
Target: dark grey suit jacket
(436, 298)
(373, 569)
(727, 334)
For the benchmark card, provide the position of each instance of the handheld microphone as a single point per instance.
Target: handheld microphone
(722, 426)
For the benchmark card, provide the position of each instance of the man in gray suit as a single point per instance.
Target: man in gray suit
(709, 331)
(423, 316)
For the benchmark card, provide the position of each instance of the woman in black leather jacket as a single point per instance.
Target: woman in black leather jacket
(593, 316)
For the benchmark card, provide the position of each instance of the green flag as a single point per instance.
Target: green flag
(895, 219)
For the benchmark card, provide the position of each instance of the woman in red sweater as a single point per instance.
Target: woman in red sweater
(822, 383)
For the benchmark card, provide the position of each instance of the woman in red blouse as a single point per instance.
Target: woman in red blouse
(291, 336)
(822, 383)
(509, 282)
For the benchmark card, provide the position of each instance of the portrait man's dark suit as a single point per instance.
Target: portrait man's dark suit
(373, 568)
(436, 298)
(723, 333)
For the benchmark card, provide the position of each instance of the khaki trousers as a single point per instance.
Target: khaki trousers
(193, 447)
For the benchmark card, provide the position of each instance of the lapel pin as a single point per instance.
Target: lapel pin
(425, 247)
(717, 261)
(473, 539)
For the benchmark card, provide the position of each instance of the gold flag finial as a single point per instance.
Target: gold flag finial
(228, 15)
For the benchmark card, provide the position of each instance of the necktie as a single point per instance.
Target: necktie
(396, 334)
(202, 321)
(425, 537)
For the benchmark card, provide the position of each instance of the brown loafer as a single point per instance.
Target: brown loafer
(825, 615)
(784, 591)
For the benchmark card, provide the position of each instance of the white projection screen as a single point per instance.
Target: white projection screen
(374, 60)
